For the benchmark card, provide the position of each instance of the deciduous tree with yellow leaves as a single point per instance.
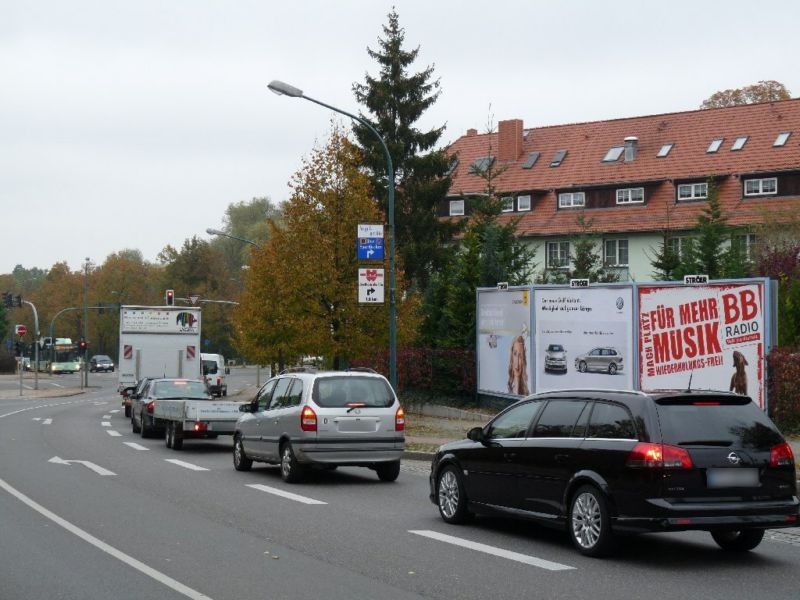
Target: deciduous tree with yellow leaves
(301, 292)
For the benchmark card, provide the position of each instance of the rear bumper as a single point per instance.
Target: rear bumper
(351, 452)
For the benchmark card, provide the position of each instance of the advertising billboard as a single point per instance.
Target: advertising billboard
(584, 338)
(714, 334)
(504, 342)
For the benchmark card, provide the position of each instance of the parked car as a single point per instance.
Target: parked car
(101, 362)
(603, 463)
(322, 419)
(143, 403)
(608, 360)
(555, 358)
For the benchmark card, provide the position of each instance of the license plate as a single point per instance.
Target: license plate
(726, 478)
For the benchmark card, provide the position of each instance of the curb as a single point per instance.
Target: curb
(412, 455)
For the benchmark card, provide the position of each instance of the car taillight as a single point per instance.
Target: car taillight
(781, 456)
(219, 380)
(659, 456)
(150, 406)
(308, 419)
(400, 419)
(200, 427)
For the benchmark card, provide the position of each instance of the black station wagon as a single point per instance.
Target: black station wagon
(603, 463)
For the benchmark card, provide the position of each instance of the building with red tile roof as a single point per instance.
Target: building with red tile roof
(637, 176)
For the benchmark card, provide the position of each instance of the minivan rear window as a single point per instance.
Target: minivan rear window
(710, 421)
(330, 392)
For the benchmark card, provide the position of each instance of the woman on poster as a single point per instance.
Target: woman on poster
(518, 368)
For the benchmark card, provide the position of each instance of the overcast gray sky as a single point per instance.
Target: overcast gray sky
(135, 124)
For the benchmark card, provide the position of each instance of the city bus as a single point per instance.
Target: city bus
(61, 357)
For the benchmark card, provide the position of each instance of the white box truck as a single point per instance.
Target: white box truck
(157, 341)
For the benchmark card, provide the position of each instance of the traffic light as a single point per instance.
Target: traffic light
(18, 300)
(18, 348)
(170, 297)
(82, 346)
(8, 300)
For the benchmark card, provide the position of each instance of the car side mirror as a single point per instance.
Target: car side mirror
(250, 407)
(476, 434)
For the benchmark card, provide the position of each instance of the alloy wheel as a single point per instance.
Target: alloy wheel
(448, 494)
(586, 520)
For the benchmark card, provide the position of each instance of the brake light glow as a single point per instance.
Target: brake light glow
(400, 419)
(308, 419)
(150, 406)
(659, 456)
(705, 403)
(781, 456)
(200, 427)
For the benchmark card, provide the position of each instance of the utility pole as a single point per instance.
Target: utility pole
(85, 368)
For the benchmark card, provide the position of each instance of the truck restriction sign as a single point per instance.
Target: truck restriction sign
(21, 330)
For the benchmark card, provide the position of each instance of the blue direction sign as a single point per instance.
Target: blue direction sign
(370, 248)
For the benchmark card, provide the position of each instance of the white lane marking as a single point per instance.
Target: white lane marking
(113, 433)
(99, 403)
(185, 465)
(283, 494)
(113, 411)
(106, 417)
(100, 544)
(516, 556)
(136, 446)
(37, 418)
(57, 385)
(105, 423)
(89, 465)
(47, 421)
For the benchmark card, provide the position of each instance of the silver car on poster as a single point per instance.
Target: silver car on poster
(604, 359)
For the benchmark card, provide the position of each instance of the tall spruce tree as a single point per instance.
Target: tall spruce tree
(395, 100)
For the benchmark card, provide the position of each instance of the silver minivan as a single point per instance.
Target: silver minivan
(322, 419)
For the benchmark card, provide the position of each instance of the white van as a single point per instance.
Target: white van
(214, 371)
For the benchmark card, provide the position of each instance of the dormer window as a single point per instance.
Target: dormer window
(523, 203)
(715, 145)
(456, 208)
(761, 187)
(693, 191)
(630, 195)
(571, 199)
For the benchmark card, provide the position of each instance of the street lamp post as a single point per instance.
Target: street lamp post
(284, 89)
(211, 231)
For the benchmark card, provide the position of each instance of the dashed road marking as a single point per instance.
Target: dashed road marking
(508, 554)
(113, 433)
(47, 421)
(105, 423)
(106, 417)
(185, 465)
(114, 411)
(284, 494)
(136, 446)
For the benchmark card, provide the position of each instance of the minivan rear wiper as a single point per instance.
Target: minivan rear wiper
(722, 443)
(354, 405)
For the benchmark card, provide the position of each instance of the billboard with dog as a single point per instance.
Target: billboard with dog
(711, 335)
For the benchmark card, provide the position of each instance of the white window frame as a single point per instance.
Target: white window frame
(454, 212)
(697, 191)
(523, 203)
(680, 244)
(627, 195)
(760, 182)
(571, 199)
(747, 242)
(507, 203)
(613, 259)
(562, 250)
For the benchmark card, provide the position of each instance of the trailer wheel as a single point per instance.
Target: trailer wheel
(177, 437)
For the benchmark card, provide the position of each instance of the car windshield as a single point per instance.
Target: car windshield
(344, 391)
(555, 348)
(716, 421)
(102, 358)
(179, 389)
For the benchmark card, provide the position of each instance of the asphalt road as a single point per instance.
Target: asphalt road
(129, 524)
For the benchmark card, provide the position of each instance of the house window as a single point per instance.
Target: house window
(613, 154)
(714, 145)
(557, 255)
(507, 203)
(692, 191)
(630, 196)
(664, 150)
(761, 187)
(782, 138)
(523, 203)
(747, 245)
(681, 245)
(456, 208)
(571, 199)
(739, 143)
(616, 253)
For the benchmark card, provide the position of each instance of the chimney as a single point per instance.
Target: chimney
(510, 139)
(631, 145)
(472, 132)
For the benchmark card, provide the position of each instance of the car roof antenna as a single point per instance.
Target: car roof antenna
(689, 387)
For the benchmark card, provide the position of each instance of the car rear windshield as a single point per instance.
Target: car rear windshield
(330, 392)
(715, 421)
(180, 389)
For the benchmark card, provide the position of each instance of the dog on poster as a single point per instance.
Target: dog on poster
(739, 377)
